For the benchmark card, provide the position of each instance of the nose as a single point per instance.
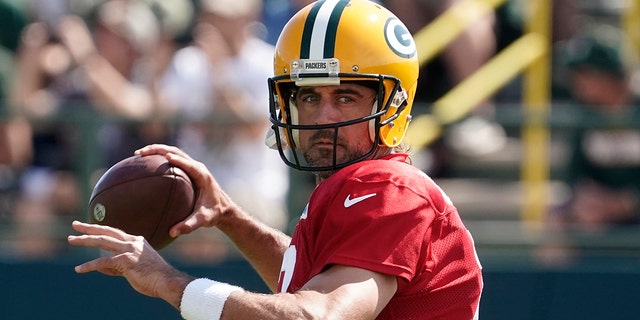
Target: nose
(327, 112)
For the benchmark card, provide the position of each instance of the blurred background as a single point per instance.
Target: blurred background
(527, 115)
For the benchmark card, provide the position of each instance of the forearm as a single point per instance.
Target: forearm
(262, 246)
(113, 92)
(248, 305)
(173, 286)
(207, 299)
(339, 292)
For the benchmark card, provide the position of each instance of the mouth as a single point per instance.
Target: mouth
(323, 143)
(321, 149)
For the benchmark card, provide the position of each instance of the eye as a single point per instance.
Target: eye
(308, 97)
(311, 98)
(346, 99)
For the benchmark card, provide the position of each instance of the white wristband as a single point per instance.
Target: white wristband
(204, 299)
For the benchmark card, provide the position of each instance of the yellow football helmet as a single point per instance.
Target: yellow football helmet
(330, 41)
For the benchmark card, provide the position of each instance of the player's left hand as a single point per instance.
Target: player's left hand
(131, 257)
(212, 201)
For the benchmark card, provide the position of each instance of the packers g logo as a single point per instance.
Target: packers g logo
(399, 38)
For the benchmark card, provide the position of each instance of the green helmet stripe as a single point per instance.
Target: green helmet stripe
(308, 29)
(319, 33)
(332, 28)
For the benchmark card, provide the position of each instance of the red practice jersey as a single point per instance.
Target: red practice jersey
(388, 216)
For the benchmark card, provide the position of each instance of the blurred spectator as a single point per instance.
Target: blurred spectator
(15, 135)
(39, 59)
(566, 19)
(12, 21)
(175, 18)
(119, 72)
(604, 170)
(219, 86)
(14, 131)
(68, 70)
(460, 59)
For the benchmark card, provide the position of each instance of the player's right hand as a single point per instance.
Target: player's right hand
(131, 257)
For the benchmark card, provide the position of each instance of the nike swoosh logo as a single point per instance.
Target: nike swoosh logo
(348, 202)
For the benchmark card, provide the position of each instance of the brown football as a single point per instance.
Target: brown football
(143, 195)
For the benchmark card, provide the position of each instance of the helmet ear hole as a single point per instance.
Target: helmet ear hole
(372, 122)
(293, 112)
(395, 119)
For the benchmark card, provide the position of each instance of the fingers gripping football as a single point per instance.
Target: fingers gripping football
(211, 201)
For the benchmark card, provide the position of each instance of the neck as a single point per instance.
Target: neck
(379, 153)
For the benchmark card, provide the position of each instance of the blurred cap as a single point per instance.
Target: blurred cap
(132, 20)
(232, 8)
(174, 16)
(601, 49)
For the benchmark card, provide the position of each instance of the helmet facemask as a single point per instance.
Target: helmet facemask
(286, 129)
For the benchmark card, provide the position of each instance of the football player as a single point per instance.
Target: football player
(378, 238)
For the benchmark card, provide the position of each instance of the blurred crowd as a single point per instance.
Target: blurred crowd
(85, 83)
(92, 82)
